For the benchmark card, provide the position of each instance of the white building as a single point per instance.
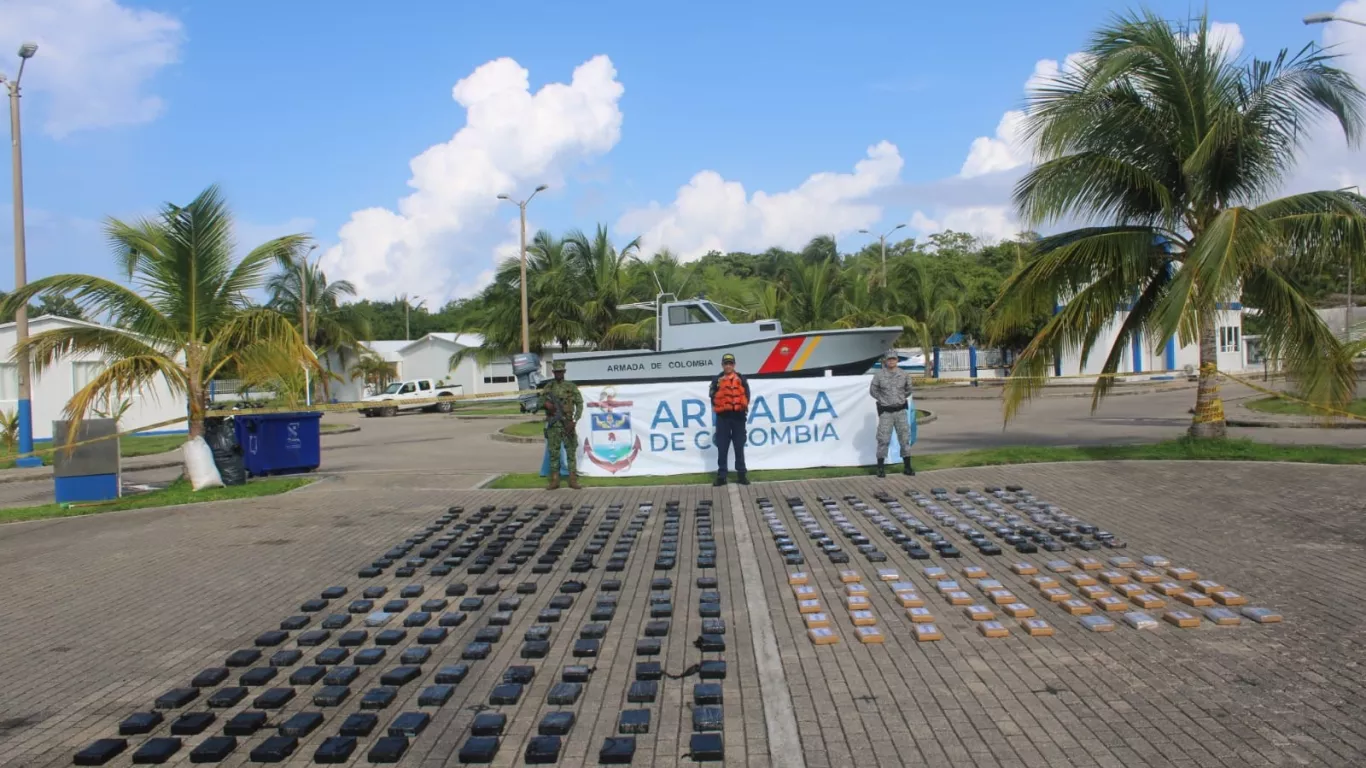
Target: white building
(429, 358)
(1141, 358)
(1144, 357)
(53, 389)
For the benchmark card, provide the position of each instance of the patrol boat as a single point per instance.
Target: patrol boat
(692, 334)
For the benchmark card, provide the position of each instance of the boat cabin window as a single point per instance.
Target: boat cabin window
(768, 326)
(688, 314)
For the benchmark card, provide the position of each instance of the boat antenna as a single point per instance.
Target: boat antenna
(727, 306)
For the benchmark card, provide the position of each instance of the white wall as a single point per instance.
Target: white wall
(429, 358)
(55, 387)
(1153, 358)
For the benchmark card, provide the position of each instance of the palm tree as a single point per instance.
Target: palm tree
(811, 292)
(930, 297)
(334, 328)
(1161, 133)
(603, 280)
(373, 370)
(187, 317)
(867, 305)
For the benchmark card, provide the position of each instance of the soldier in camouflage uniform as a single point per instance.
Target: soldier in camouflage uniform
(891, 390)
(563, 406)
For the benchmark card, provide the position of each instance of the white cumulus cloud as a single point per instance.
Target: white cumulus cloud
(1326, 161)
(712, 213)
(1007, 153)
(512, 140)
(95, 60)
(985, 222)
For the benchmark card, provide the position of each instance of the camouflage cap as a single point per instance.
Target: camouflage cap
(558, 365)
(889, 354)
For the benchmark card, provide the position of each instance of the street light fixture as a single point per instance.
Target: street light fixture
(1324, 18)
(25, 405)
(526, 336)
(883, 240)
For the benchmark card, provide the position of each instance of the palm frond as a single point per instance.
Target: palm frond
(1301, 340)
(123, 377)
(45, 349)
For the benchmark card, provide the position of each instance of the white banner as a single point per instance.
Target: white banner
(667, 429)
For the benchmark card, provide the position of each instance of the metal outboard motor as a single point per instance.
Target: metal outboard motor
(526, 366)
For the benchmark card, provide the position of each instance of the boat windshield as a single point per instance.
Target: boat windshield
(692, 314)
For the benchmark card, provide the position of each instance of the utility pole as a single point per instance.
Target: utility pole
(22, 369)
(303, 319)
(1324, 18)
(882, 239)
(526, 335)
(1347, 329)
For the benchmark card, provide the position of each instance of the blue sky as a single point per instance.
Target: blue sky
(309, 112)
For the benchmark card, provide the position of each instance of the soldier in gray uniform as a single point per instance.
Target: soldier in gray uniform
(891, 390)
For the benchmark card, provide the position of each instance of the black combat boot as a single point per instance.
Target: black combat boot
(881, 468)
(906, 468)
(742, 478)
(719, 481)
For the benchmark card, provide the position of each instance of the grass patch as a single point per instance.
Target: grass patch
(178, 492)
(1182, 449)
(1282, 407)
(324, 429)
(525, 429)
(128, 448)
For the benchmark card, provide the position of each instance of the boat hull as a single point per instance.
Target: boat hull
(841, 352)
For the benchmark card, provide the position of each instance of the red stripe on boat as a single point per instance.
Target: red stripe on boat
(782, 355)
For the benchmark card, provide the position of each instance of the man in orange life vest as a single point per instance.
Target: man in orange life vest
(730, 401)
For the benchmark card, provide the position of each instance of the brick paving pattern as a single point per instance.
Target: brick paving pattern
(106, 613)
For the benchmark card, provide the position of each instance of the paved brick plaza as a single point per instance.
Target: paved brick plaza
(105, 614)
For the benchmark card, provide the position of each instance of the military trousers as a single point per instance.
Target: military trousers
(556, 437)
(886, 423)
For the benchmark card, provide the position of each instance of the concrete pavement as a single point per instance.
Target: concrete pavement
(105, 613)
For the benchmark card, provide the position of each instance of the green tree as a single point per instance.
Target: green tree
(1161, 132)
(373, 370)
(334, 328)
(186, 317)
(58, 306)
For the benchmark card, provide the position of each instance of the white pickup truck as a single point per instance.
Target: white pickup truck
(397, 395)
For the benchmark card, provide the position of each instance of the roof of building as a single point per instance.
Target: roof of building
(55, 319)
(467, 340)
(387, 350)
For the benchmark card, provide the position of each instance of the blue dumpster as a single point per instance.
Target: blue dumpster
(279, 443)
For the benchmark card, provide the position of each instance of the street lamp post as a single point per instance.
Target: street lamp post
(1347, 324)
(882, 239)
(25, 409)
(1324, 18)
(526, 336)
(303, 318)
(407, 308)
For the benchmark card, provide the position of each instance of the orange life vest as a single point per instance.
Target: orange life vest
(730, 395)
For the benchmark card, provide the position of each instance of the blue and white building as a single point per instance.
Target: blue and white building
(1145, 357)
